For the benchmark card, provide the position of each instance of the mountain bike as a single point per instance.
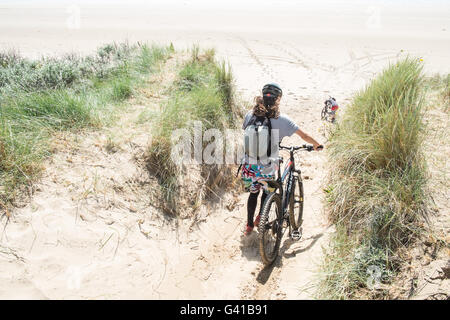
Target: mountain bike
(329, 110)
(283, 207)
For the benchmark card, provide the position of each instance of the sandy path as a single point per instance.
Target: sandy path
(292, 275)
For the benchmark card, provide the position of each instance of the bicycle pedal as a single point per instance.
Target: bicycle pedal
(296, 235)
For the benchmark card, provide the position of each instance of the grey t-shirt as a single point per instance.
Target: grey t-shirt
(282, 126)
(285, 126)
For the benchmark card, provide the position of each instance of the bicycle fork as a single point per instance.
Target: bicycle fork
(294, 234)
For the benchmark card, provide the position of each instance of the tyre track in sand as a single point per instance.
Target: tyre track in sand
(265, 68)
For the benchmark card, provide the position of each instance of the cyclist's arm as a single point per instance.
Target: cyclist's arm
(308, 139)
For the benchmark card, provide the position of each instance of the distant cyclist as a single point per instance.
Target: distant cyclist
(260, 124)
(329, 110)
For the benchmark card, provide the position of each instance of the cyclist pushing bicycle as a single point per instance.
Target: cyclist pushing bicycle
(264, 128)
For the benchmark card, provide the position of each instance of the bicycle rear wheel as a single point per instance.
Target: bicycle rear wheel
(270, 229)
(296, 201)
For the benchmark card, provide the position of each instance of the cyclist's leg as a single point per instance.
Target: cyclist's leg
(333, 115)
(251, 176)
(251, 184)
(263, 198)
(251, 207)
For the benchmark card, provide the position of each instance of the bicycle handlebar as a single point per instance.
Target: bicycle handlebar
(307, 147)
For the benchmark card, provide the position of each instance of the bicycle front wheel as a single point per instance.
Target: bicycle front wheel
(270, 229)
(296, 201)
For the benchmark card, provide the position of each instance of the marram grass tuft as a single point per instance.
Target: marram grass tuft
(377, 193)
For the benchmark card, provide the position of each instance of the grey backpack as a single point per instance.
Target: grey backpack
(257, 139)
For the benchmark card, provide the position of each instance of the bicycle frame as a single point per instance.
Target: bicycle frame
(274, 227)
(279, 183)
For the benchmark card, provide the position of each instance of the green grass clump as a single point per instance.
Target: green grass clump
(20, 74)
(40, 97)
(203, 92)
(122, 89)
(377, 189)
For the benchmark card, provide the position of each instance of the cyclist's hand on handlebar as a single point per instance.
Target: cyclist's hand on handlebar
(318, 147)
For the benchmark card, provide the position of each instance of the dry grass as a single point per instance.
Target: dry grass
(204, 92)
(377, 192)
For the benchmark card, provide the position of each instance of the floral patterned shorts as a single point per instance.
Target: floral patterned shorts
(252, 174)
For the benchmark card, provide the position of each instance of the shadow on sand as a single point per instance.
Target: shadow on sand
(250, 249)
(264, 275)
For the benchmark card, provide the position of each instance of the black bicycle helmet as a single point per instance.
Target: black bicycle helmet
(271, 92)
